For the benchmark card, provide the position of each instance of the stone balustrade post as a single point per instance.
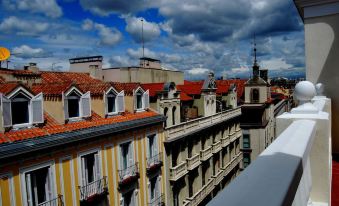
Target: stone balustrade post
(315, 108)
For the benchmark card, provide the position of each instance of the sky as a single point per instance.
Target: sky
(194, 36)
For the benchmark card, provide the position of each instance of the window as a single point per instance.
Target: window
(115, 102)
(165, 114)
(39, 186)
(152, 146)
(76, 104)
(128, 199)
(73, 105)
(90, 168)
(255, 95)
(126, 159)
(247, 159)
(173, 115)
(141, 101)
(21, 109)
(246, 141)
(111, 105)
(153, 185)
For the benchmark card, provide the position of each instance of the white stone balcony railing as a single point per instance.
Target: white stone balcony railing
(178, 171)
(193, 162)
(225, 141)
(206, 153)
(218, 177)
(296, 168)
(233, 136)
(216, 147)
(192, 126)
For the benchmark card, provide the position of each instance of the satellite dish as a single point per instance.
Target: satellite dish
(4, 53)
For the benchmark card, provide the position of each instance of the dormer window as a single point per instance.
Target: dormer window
(76, 104)
(141, 99)
(73, 105)
(21, 109)
(114, 101)
(255, 95)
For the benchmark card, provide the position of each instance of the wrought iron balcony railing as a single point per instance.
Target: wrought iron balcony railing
(94, 188)
(130, 171)
(154, 160)
(53, 202)
(159, 201)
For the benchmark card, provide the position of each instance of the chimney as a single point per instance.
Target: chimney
(264, 74)
(32, 67)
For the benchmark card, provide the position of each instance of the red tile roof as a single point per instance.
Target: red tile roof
(96, 89)
(127, 87)
(2, 80)
(67, 77)
(190, 89)
(19, 72)
(153, 88)
(185, 97)
(52, 127)
(6, 88)
(51, 89)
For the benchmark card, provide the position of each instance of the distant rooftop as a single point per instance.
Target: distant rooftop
(150, 59)
(85, 59)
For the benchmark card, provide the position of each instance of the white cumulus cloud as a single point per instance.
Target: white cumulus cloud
(18, 26)
(134, 28)
(25, 51)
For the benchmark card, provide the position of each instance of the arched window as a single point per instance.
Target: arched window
(173, 115)
(255, 95)
(139, 99)
(111, 102)
(73, 105)
(165, 114)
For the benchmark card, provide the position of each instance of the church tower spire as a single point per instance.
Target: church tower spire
(255, 64)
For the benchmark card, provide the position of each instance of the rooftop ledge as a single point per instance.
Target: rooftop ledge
(186, 128)
(296, 168)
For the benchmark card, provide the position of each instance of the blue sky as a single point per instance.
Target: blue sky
(194, 36)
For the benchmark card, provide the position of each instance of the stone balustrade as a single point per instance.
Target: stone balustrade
(178, 171)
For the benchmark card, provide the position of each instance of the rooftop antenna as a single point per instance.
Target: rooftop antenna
(255, 51)
(142, 41)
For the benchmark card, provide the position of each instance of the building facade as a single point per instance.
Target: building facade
(69, 139)
(201, 151)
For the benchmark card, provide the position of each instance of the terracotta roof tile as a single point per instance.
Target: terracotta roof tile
(51, 89)
(185, 97)
(127, 87)
(95, 89)
(52, 127)
(67, 77)
(6, 88)
(153, 88)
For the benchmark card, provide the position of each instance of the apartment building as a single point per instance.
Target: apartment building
(202, 138)
(69, 139)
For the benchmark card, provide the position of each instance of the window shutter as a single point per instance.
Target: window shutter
(130, 154)
(37, 109)
(48, 190)
(134, 100)
(86, 104)
(146, 99)
(83, 171)
(149, 192)
(133, 198)
(97, 166)
(156, 147)
(121, 101)
(29, 190)
(6, 111)
(105, 103)
(65, 101)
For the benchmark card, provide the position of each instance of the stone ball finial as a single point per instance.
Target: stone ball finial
(305, 91)
(320, 89)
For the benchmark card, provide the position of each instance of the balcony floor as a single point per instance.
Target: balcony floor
(335, 182)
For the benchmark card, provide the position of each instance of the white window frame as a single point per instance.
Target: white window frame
(155, 142)
(111, 90)
(84, 153)
(81, 95)
(143, 93)
(157, 188)
(131, 140)
(30, 97)
(25, 170)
